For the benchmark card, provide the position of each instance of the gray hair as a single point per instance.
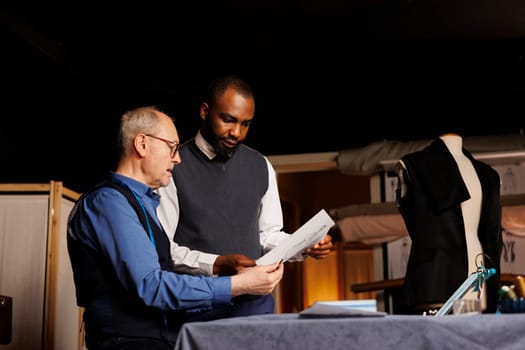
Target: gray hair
(136, 121)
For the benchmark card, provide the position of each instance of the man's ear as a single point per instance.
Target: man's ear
(140, 144)
(204, 111)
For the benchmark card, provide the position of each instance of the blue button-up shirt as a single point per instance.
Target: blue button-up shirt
(111, 227)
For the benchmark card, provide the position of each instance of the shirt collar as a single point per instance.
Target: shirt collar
(204, 146)
(140, 189)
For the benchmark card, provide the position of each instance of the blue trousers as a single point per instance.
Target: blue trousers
(245, 305)
(129, 343)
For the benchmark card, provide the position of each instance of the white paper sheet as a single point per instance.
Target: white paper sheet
(305, 236)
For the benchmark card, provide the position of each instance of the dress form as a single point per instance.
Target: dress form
(470, 208)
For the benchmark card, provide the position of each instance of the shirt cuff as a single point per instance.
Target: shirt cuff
(222, 287)
(206, 262)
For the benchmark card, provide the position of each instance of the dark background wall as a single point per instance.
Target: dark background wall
(328, 75)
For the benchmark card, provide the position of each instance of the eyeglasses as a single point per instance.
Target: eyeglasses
(172, 144)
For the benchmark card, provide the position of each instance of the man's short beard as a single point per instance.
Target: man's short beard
(214, 141)
(220, 150)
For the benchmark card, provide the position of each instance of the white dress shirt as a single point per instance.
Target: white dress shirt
(197, 262)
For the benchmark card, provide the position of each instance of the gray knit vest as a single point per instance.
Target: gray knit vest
(220, 201)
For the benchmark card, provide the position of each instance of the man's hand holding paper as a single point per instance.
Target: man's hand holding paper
(311, 238)
(322, 249)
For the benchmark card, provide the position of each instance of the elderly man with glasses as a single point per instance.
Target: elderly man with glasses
(123, 271)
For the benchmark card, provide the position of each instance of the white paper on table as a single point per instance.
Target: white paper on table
(305, 236)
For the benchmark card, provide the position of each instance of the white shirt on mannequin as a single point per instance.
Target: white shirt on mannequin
(470, 208)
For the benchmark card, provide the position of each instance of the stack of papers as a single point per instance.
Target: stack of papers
(312, 232)
(321, 310)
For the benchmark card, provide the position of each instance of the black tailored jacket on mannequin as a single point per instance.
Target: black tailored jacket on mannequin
(431, 209)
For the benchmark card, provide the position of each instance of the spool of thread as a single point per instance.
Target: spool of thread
(508, 293)
(519, 286)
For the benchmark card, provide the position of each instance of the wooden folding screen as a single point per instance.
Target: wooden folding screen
(34, 266)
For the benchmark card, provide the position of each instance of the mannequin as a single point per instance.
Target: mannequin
(470, 208)
(450, 203)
